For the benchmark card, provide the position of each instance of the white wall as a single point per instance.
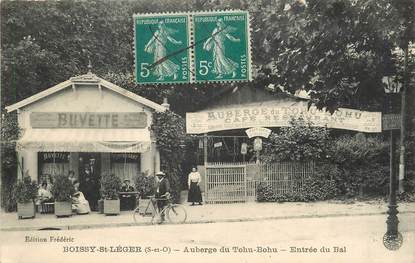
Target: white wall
(83, 99)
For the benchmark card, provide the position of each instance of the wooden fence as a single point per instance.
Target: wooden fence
(237, 182)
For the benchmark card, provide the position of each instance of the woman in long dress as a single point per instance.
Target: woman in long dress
(194, 180)
(43, 196)
(79, 204)
(157, 46)
(222, 65)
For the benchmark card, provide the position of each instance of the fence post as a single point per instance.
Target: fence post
(245, 182)
(205, 165)
(205, 150)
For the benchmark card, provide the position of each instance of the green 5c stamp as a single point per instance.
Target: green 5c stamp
(162, 48)
(192, 47)
(222, 46)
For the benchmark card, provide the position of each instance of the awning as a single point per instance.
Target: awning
(86, 140)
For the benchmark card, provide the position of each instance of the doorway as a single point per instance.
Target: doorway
(90, 177)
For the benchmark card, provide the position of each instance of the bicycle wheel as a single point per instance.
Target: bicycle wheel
(176, 214)
(148, 211)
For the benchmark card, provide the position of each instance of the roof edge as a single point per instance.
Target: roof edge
(38, 96)
(75, 81)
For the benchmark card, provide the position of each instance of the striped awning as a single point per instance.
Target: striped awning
(86, 140)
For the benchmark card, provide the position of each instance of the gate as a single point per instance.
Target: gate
(225, 183)
(237, 182)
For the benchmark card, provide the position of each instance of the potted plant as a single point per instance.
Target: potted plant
(26, 193)
(110, 186)
(144, 184)
(62, 191)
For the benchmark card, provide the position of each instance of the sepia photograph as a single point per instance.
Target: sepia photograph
(207, 131)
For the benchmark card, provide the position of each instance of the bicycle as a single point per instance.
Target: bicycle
(175, 213)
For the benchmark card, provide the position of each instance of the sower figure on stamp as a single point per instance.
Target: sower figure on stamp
(222, 65)
(162, 192)
(157, 46)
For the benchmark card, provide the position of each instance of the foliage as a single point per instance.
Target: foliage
(337, 49)
(145, 184)
(409, 179)
(169, 130)
(62, 188)
(298, 142)
(25, 190)
(265, 192)
(360, 163)
(9, 133)
(110, 184)
(55, 40)
(355, 165)
(315, 188)
(320, 186)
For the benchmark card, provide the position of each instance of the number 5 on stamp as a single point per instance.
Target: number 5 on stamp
(222, 46)
(161, 48)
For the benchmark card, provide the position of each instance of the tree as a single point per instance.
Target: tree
(337, 49)
(298, 142)
(9, 134)
(169, 130)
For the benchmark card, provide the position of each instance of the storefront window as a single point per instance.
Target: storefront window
(51, 164)
(125, 165)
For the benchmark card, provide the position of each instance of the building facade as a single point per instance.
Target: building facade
(89, 126)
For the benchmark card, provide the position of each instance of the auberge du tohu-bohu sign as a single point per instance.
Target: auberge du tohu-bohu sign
(274, 114)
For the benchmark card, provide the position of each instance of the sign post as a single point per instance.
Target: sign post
(257, 147)
(244, 150)
(391, 122)
(257, 133)
(392, 238)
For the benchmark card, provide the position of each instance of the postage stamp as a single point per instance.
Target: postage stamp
(222, 46)
(162, 48)
(192, 47)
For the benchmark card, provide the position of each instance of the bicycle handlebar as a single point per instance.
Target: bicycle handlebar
(162, 197)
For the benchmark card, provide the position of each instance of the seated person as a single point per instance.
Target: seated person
(43, 196)
(126, 187)
(71, 176)
(127, 200)
(79, 204)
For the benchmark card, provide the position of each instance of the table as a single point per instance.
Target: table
(128, 200)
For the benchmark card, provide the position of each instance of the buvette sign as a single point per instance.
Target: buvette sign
(88, 120)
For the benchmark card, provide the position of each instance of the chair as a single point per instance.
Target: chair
(47, 208)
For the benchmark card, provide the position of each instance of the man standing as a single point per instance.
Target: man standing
(162, 192)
